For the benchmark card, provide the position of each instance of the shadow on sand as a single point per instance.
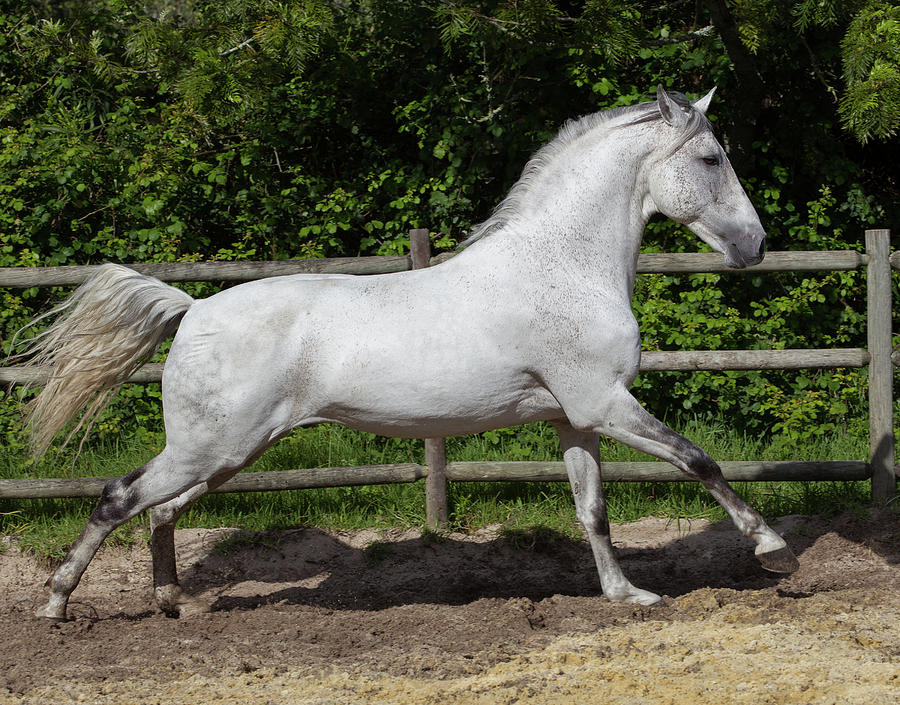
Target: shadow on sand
(315, 568)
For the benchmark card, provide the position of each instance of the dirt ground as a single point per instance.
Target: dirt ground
(389, 617)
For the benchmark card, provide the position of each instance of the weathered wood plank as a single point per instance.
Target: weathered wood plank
(651, 361)
(23, 374)
(419, 248)
(51, 487)
(695, 262)
(688, 360)
(308, 478)
(649, 263)
(24, 277)
(881, 370)
(734, 471)
(436, 508)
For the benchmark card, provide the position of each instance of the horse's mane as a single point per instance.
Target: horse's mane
(639, 113)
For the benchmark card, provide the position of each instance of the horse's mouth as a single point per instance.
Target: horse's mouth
(734, 259)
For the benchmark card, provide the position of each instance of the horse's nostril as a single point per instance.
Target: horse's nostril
(762, 248)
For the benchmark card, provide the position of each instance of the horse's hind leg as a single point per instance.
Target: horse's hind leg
(166, 589)
(122, 499)
(627, 421)
(580, 452)
(163, 517)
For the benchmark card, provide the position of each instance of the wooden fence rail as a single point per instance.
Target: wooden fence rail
(648, 263)
(512, 471)
(651, 361)
(437, 472)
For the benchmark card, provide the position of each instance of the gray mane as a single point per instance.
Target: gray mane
(570, 132)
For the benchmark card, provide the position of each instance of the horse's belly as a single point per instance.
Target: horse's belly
(432, 409)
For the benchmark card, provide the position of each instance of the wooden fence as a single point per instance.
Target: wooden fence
(437, 471)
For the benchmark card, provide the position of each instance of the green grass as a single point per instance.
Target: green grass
(46, 527)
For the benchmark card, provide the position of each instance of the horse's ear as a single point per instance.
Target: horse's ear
(669, 109)
(703, 104)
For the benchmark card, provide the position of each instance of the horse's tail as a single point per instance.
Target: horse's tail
(110, 325)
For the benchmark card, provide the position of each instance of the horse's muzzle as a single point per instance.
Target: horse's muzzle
(760, 254)
(736, 259)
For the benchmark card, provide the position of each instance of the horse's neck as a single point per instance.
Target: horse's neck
(588, 226)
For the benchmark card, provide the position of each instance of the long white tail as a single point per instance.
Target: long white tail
(104, 331)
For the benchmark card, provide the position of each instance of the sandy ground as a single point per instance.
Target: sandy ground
(329, 617)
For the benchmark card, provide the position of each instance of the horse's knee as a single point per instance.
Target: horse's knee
(161, 515)
(169, 512)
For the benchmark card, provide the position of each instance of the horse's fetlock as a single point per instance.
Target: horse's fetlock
(160, 517)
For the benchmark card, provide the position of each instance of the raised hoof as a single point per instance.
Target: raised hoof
(781, 560)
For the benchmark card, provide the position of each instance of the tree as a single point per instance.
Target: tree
(870, 108)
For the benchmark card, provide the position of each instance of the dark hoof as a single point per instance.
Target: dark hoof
(781, 560)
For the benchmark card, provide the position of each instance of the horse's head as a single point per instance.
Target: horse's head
(694, 184)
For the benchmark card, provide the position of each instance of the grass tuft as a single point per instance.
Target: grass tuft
(377, 551)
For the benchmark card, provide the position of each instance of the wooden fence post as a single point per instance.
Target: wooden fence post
(881, 370)
(436, 513)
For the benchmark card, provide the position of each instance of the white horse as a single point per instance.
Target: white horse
(532, 321)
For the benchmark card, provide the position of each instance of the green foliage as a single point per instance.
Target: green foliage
(608, 28)
(220, 57)
(869, 52)
(871, 59)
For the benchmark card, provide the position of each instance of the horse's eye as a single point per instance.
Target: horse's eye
(711, 161)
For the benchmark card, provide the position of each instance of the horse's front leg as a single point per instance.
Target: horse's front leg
(625, 420)
(580, 452)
